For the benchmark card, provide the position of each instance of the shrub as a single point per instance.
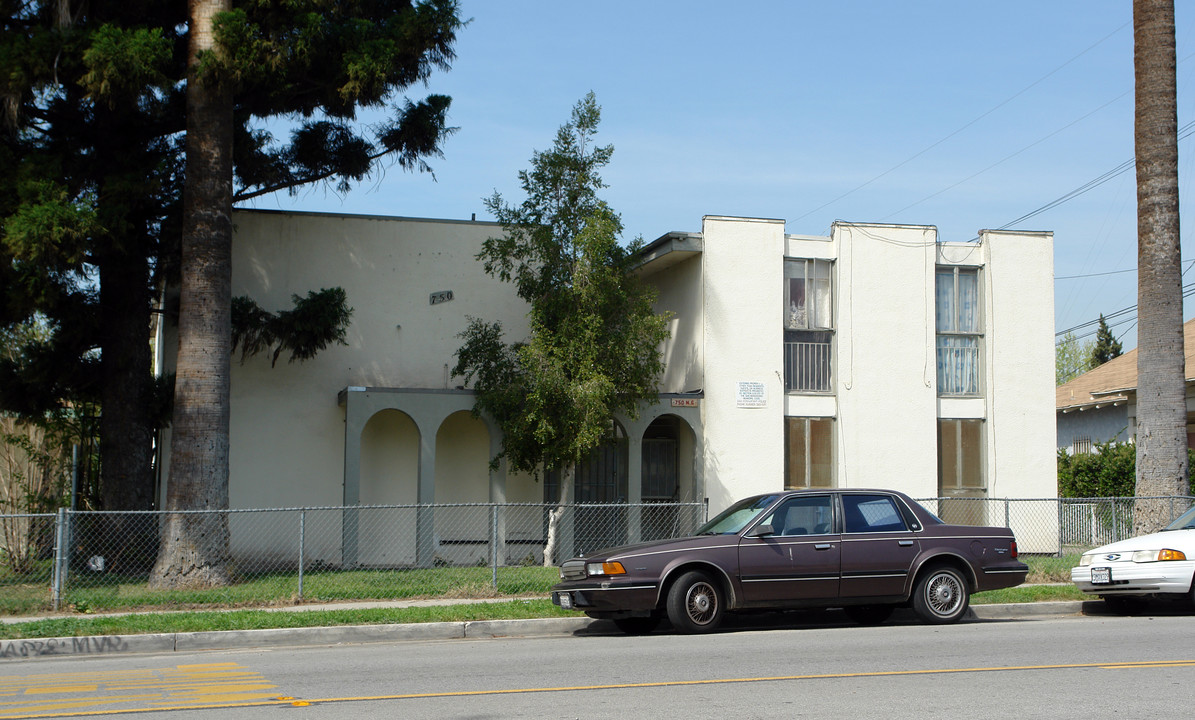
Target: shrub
(1108, 471)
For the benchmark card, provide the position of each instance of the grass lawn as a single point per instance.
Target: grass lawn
(115, 593)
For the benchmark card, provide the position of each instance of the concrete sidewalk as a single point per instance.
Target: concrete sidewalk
(423, 632)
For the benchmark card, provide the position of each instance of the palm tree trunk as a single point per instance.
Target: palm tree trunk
(1161, 388)
(194, 551)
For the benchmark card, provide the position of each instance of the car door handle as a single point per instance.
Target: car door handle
(905, 543)
(823, 546)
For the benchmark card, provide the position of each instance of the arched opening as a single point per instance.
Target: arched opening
(389, 476)
(667, 477)
(462, 460)
(462, 479)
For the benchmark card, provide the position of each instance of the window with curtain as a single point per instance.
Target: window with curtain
(808, 325)
(959, 330)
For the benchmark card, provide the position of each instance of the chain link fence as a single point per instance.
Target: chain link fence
(92, 561)
(1054, 532)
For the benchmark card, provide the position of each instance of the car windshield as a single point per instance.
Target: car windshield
(1186, 521)
(737, 516)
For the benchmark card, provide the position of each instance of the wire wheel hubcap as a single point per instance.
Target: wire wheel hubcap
(702, 603)
(944, 594)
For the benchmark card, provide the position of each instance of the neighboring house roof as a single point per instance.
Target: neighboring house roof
(1113, 382)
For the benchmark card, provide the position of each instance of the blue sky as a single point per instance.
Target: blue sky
(960, 115)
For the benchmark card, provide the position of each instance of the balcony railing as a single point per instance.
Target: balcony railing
(958, 368)
(807, 367)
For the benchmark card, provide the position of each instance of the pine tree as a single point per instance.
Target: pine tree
(1106, 345)
(95, 120)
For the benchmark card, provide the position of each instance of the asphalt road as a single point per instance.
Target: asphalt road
(813, 666)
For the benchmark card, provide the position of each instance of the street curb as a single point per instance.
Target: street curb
(1017, 611)
(337, 635)
(286, 637)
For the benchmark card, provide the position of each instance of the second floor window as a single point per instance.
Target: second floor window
(808, 325)
(959, 330)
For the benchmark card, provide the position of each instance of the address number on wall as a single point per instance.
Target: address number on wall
(440, 297)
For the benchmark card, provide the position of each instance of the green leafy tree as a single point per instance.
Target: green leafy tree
(107, 111)
(1106, 345)
(1071, 358)
(88, 142)
(593, 350)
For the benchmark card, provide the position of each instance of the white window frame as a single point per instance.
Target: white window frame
(959, 353)
(808, 360)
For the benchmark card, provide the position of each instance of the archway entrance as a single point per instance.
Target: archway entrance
(667, 477)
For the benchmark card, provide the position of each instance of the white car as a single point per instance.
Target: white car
(1128, 573)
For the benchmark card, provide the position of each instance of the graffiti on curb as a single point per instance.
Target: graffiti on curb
(62, 646)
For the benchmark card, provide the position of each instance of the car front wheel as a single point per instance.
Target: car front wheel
(695, 603)
(941, 595)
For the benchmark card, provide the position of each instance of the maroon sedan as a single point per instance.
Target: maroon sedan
(867, 551)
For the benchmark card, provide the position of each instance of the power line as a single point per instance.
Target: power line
(1188, 291)
(1110, 272)
(1184, 132)
(1088, 275)
(908, 160)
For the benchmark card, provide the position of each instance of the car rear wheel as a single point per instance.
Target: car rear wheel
(941, 595)
(638, 625)
(869, 614)
(695, 603)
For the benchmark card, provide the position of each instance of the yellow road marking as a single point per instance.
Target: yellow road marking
(47, 695)
(619, 686)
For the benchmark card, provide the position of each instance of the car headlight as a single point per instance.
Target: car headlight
(605, 568)
(1085, 560)
(1144, 556)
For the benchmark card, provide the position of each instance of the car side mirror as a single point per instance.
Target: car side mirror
(761, 530)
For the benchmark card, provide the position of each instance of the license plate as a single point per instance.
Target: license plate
(566, 601)
(1101, 576)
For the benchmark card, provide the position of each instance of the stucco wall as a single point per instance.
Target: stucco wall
(287, 432)
(886, 381)
(744, 342)
(1020, 372)
(679, 293)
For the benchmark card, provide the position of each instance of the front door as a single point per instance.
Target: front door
(799, 561)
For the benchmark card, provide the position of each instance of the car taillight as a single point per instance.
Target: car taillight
(1012, 549)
